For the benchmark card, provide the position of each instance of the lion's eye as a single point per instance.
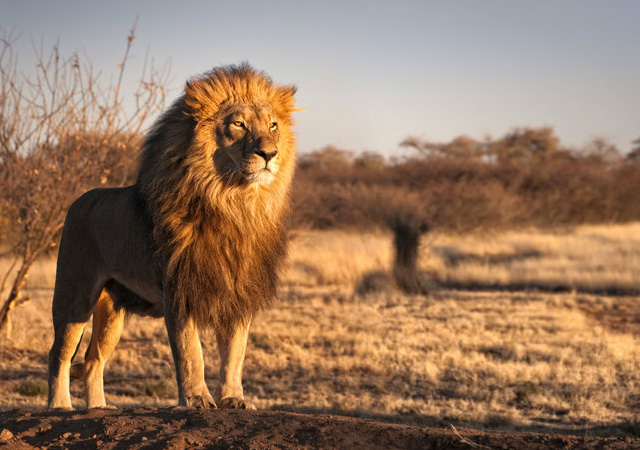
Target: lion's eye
(273, 126)
(238, 123)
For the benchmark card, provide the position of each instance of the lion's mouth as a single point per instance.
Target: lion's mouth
(262, 177)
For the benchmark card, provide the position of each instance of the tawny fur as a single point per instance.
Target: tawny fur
(222, 240)
(199, 238)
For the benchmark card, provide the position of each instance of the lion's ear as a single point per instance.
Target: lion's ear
(284, 101)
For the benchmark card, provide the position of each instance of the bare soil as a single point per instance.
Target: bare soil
(182, 428)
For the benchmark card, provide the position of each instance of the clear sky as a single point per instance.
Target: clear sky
(370, 73)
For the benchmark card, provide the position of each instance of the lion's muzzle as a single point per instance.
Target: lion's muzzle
(266, 156)
(265, 147)
(264, 163)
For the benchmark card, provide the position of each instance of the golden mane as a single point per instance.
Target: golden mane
(220, 240)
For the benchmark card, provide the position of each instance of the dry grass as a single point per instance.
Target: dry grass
(494, 358)
(335, 257)
(587, 258)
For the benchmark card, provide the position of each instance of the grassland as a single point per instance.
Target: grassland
(518, 357)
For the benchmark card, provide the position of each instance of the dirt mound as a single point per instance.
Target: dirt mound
(181, 428)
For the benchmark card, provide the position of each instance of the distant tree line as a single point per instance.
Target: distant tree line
(525, 178)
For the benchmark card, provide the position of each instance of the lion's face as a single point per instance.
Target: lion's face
(247, 140)
(241, 122)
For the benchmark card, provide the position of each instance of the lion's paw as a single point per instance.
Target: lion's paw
(102, 407)
(200, 401)
(62, 408)
(235, 403)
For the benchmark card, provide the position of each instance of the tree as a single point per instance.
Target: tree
(62, 132)
(407, 214)
(602, 150)
(370, 161)
(461, 148)
(634, 154)
(329, 158)
(524, 145)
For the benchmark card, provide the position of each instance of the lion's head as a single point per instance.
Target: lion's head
(230, 130)
(243, 123)
(247, 142)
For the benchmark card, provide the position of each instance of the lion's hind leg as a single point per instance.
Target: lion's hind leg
(69, 321)
(108, 322)
(65, 344)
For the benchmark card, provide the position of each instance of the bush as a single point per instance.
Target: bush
(33, 388)
(525, 178)
(157, 389)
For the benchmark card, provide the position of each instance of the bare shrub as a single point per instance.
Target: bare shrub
(62, 131)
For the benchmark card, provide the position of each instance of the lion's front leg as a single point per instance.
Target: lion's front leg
(187, 356)
(231, 347)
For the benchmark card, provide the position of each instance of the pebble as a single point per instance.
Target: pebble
(5, 435)
(24, 417)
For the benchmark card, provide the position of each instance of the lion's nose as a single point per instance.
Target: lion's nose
(267, 155)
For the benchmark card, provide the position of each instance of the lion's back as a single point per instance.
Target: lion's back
(108, 230)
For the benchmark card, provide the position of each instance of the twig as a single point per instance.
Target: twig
(467, 441)
(7, 274)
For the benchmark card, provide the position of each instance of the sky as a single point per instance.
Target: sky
(371, 73)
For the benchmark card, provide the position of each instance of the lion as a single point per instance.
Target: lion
(198, 239)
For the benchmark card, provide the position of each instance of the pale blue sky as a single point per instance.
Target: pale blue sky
(371, 73)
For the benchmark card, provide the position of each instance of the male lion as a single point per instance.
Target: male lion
(198, 239)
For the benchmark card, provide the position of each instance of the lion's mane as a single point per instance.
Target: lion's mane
(219, 242)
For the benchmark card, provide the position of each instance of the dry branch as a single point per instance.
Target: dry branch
(62, 132)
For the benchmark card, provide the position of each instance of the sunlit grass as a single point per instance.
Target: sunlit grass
(587, 258)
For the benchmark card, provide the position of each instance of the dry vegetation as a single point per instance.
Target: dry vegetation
(525, 178)
(589, 258)
(63, 131)
(522, 358)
